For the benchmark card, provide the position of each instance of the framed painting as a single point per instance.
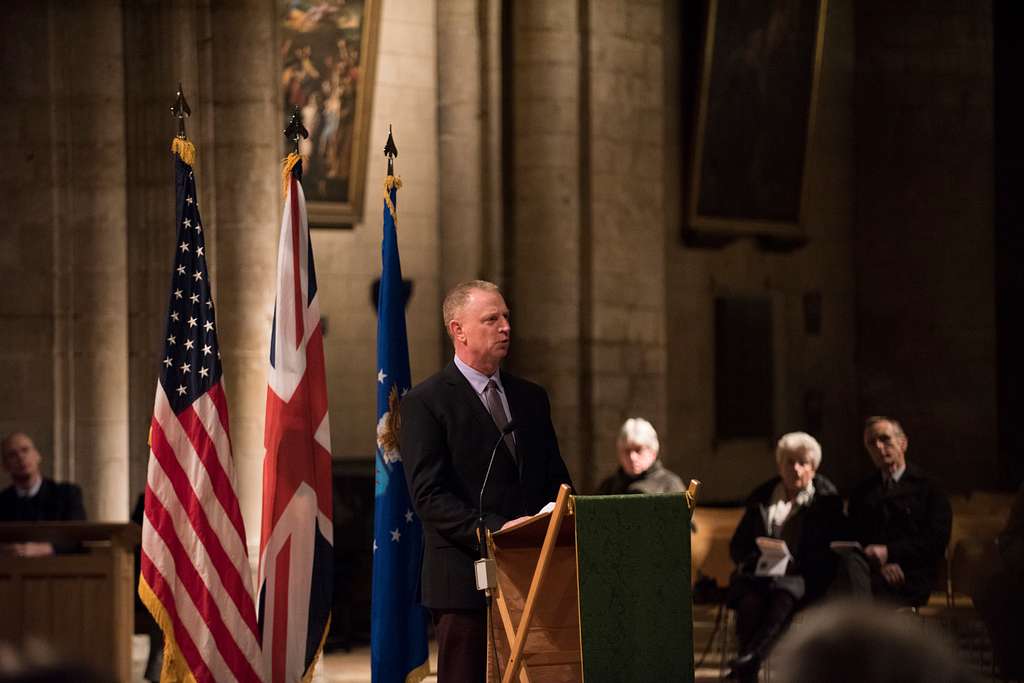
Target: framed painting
(328, 51)
(759, 80)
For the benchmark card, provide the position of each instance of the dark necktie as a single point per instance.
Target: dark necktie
(497, 411)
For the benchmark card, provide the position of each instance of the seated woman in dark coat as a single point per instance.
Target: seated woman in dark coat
(639, 470)
(803, 509)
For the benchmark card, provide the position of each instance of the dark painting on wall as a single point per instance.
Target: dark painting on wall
(756, 108)
(328, 55)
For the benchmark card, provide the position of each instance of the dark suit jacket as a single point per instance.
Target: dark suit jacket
(53, 503)
(913, 519)
(446, 439)
(808, 534)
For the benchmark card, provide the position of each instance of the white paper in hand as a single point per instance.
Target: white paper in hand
(774, 558)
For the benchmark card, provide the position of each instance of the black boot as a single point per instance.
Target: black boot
(778, 613)
(744, 668)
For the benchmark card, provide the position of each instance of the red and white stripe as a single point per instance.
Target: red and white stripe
(297, 464)
(194, 555)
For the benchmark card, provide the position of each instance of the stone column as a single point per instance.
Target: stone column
(162, 40)
(246, 150)
(545, 261)
(28, 244)
(587, 264)
(462, 228)
(627, 226)
(91, 303)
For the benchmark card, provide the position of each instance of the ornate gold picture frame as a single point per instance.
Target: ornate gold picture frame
(328, 52)
(759, 85)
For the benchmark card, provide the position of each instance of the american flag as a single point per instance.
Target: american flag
(297, 539)
(195, 578)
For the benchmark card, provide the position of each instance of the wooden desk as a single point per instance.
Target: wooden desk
(81, 605)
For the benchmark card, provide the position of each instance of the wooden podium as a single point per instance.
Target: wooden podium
(79, 604)
(599, 588)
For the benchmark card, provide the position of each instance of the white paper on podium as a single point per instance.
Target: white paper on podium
(548, 507)
(775, 557)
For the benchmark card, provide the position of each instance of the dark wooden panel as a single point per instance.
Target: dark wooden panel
(744, 368)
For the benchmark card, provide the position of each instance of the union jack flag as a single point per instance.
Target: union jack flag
(195, 578)
(297, 539)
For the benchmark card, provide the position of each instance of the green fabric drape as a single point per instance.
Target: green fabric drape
(636, 614)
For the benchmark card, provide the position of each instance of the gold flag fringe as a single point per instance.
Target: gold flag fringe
(308, 676)
(419, 673)
(286, 171)
(184, 149)
(389, 182)
(175, 669)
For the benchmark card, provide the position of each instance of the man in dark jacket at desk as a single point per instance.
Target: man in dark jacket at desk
(901, 519)
(32, 497)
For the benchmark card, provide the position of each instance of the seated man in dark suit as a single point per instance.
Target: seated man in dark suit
(901, 520)
(33, 497)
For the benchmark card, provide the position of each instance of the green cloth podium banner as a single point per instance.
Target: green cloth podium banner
(603, 585)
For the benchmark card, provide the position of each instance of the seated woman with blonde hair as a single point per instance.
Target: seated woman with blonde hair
(803, 509)
(639, 470)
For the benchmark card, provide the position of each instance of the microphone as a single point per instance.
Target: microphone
(484, 567)
(508, 429)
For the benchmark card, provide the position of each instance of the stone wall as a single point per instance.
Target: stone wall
(804, 363)
(924, 216)
(89, 252)
(626, 295)
(65, 349)
(583, 265)
(543, 210)
(29, 255)
(348, 261)
(542, 145)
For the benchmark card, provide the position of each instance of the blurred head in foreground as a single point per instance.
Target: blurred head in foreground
(852, 642)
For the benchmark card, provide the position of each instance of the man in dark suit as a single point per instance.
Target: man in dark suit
(901, 519)
(450, 424)
(32, 497)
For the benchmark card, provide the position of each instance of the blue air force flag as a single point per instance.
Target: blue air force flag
(398, 631)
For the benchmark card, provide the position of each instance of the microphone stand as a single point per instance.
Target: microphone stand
(484, 567)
